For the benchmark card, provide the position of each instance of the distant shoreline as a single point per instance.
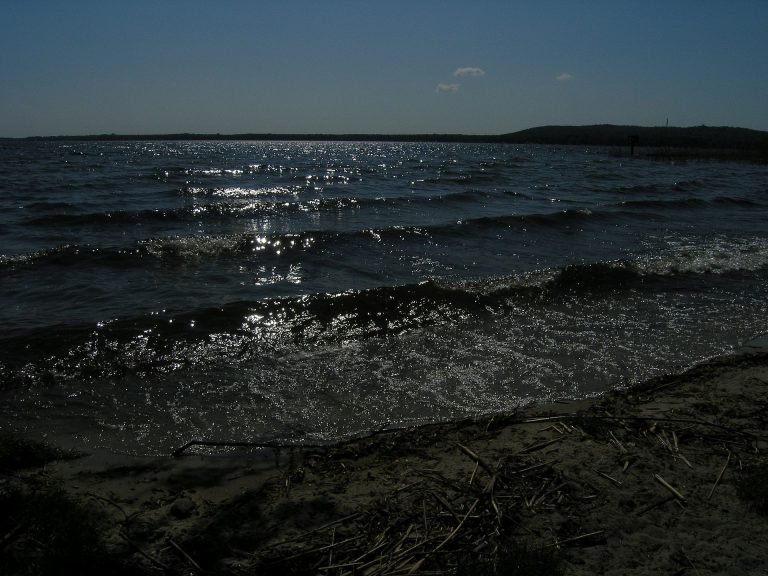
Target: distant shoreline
(697, 137)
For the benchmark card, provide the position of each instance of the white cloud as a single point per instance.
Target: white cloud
(564, 77)
(469, 71)
(447, 88)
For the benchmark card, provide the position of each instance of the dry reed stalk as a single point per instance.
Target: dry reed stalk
(534, 467)
(538, 446)
(667, 442)
(474, 471)
(446, 505)
(407, 486)
(339, 566)
(684, 459)
(482, 462)
(376, 547)
(308, 532)
(669, 487)
(611, 478)
(455, 530)
(530, 503)
(720, 475)
(574, 539)
(322, 548)
(653, 505)
(112, 502)
(403, 538)
(616, 442)
(333, 541)
(11, 536)
(138, 549)
(184, 555)
(370, 570)
(554, 427)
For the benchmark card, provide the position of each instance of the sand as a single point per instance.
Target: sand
(642, 481)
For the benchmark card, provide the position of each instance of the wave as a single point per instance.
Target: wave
(621, 274)
(69, 254)
(43, 206)
(249, 202)
(666, 204)
(562, 218)
(680, 186)
(111, 217)
(198, 247)
(233, 192)
(191, 248)
(687, 185)
(640, 189)
(688, 202)
(247, 329)
(739, 201)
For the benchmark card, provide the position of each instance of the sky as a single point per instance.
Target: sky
(369, 66)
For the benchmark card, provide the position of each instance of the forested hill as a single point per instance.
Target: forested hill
(613, 135)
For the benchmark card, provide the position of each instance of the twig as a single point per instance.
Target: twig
(720, 476)
(186, 556)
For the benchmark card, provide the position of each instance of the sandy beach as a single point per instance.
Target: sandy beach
(666, 478)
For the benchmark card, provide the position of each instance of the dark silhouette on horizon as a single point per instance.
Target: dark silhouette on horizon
(694, 138)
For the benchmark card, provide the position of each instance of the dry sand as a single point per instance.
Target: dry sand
(643, 481)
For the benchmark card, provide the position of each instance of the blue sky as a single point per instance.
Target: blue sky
(342, 66)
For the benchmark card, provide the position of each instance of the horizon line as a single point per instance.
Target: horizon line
(350, 135)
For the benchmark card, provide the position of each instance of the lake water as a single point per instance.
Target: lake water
(155, 292)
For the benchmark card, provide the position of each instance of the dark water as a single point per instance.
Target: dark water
(155, 292)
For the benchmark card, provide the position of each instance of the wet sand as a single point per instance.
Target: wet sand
(641, 481)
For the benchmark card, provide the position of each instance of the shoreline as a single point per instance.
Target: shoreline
(647, 479)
